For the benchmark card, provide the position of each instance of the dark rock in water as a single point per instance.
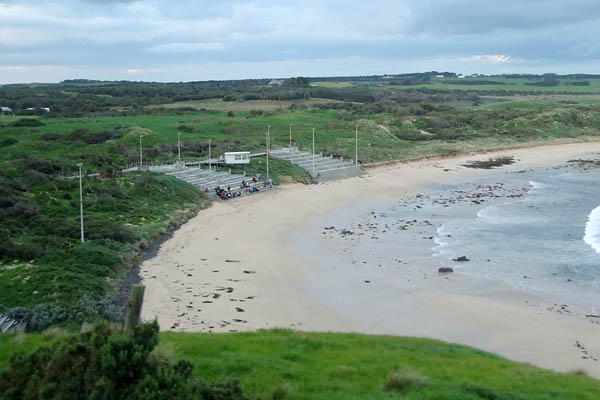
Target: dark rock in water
(329, 228)
(461, 258)
(445, 270)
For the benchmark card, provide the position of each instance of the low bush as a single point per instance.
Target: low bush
(27, 123)
(8, 142)
(43, 316)
(403, 380)
(89, 137)
(50, 137)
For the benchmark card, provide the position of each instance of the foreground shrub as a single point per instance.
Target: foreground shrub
(106, 364)
(43, 316)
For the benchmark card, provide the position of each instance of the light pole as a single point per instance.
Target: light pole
(209, 156)
(80, 202)
(290, 147)
(313, 157)
(268, 139)
(179, 147)
(141, 159)
(356, 148)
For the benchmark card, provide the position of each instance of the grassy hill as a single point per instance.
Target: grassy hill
(283, 364)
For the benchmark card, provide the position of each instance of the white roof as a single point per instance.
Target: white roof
(237, 152)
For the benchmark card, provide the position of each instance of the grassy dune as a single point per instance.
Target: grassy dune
(282, 364)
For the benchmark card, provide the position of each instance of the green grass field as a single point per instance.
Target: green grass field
(508, 85)
(282, 364)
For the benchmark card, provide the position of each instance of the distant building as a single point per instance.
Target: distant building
(5, 109)
(439, 76)
(461, 77)
(388, 77)
(47, 109)
(275, 82)
(237, 157)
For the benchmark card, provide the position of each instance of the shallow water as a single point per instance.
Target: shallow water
(546, 242)
(537, 231)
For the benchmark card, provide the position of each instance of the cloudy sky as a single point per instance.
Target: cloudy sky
(183, 40)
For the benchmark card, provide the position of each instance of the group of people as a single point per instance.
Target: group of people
(228, 193)
(225, 194)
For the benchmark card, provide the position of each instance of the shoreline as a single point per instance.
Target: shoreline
(233, 268)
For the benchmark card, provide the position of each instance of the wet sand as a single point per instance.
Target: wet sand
(253, 263)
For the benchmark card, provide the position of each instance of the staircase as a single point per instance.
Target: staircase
(205, 179)
(7, 324)
(319, 167)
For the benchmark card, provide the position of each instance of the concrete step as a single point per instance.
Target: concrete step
(7, 324)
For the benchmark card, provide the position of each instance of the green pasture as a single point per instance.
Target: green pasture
(507, 85)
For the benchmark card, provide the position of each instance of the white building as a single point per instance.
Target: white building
(5, 109)
(237, 157)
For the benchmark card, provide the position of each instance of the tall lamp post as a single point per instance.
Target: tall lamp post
(356, 148)
(209, 156)
(290, 147)
(313, 157)
(268, 140)
(178, 147)
(141, 158)
(80, 202)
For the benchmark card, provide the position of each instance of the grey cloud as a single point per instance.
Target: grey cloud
(179, 36)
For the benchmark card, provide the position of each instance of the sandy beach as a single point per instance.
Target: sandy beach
(254, 263)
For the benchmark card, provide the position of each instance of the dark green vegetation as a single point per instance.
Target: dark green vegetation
(281, 364)
(44, 265)
(106, 364)
(43, 260)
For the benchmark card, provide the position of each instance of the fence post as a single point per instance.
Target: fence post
(134, 309)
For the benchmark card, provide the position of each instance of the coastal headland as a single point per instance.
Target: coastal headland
(253, 263)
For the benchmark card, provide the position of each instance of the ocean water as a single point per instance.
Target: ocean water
(546, 242)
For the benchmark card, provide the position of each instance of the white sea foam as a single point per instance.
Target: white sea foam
(538, 185)
(592, 230)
